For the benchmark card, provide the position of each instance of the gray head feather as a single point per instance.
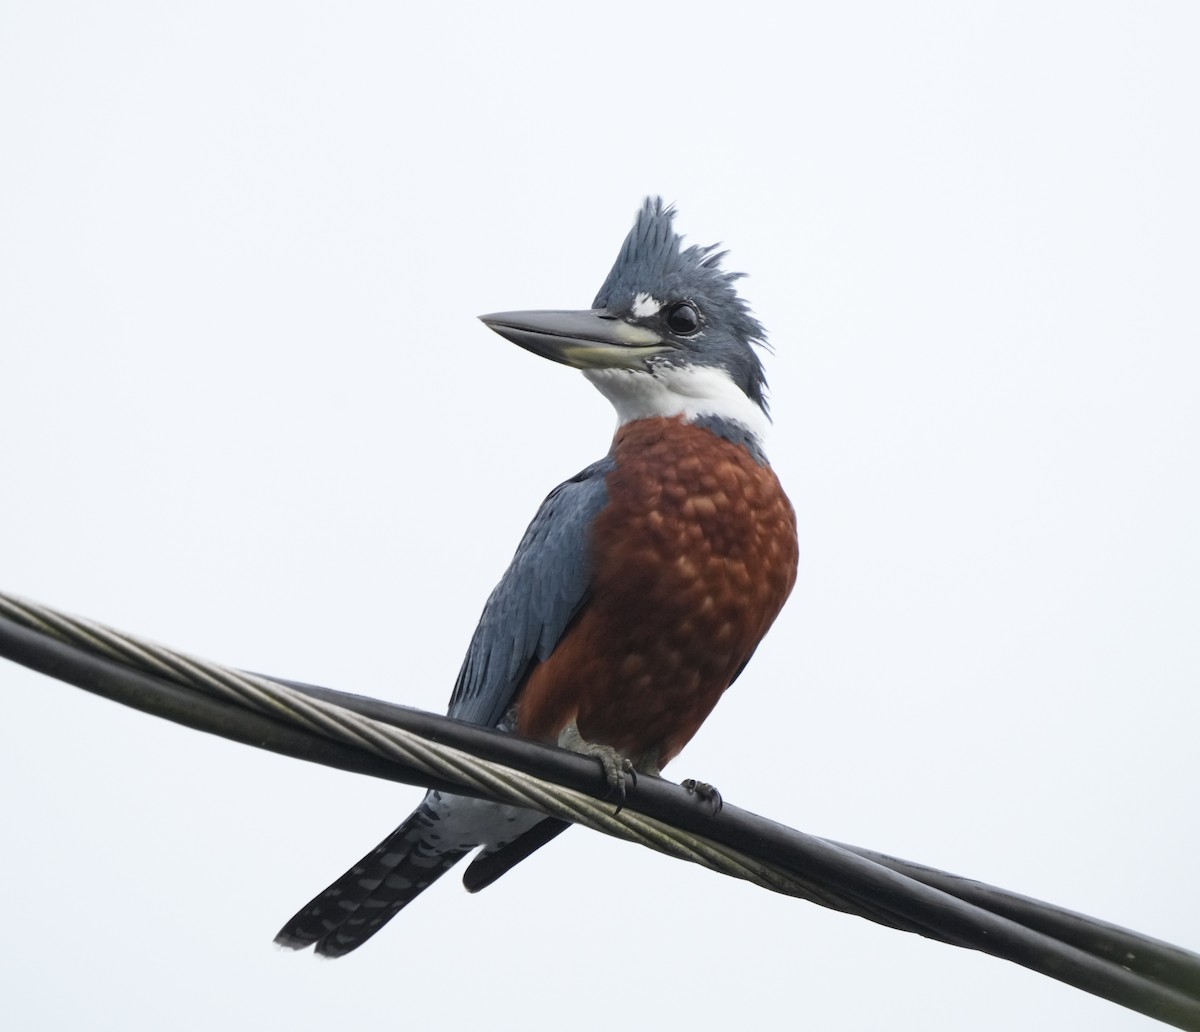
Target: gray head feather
(654, 261)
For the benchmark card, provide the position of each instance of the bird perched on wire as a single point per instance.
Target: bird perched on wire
(641, 588)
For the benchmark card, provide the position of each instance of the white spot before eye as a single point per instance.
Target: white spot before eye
(644, 306)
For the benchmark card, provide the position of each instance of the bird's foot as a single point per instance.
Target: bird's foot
(704, 791)
(615, 765)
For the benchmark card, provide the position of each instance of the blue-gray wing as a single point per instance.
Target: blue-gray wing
(536, 599)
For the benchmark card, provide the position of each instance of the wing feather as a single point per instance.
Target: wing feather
(535, 601)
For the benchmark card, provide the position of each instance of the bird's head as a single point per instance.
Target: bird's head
(667, 335)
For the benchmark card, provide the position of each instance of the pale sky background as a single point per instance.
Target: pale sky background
(246, 410)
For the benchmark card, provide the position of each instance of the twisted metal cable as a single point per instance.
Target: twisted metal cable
(493, 780)
(1138, 972)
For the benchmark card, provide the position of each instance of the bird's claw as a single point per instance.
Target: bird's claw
(614, 764)
(615, 768)
(704, 791)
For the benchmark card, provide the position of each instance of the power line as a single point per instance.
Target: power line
(369, 736)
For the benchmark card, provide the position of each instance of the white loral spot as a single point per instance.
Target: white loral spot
(691, 392)
(644, 306)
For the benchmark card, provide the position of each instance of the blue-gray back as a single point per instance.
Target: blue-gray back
(535, 601)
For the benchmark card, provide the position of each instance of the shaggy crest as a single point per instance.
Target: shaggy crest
(653, 261)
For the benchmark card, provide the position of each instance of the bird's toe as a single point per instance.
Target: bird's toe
(613, 763)
(704, 791)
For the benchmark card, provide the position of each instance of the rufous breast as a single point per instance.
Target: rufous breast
(692, 559)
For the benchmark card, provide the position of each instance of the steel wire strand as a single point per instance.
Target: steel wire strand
(865, 887)
(494, 780)
(251, 690)
(490, 779)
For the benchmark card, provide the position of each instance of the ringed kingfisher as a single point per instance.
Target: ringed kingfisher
(644, 583)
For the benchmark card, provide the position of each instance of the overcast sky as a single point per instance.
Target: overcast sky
(246, 409)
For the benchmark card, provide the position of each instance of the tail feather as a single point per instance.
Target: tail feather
(373, 891)
(495, 861)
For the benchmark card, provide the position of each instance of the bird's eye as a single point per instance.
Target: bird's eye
(683, 318)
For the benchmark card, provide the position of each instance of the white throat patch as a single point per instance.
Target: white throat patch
(692, 392)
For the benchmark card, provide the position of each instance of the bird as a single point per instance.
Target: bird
(641, 588)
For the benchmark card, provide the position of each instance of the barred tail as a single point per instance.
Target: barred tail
(374, 890)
